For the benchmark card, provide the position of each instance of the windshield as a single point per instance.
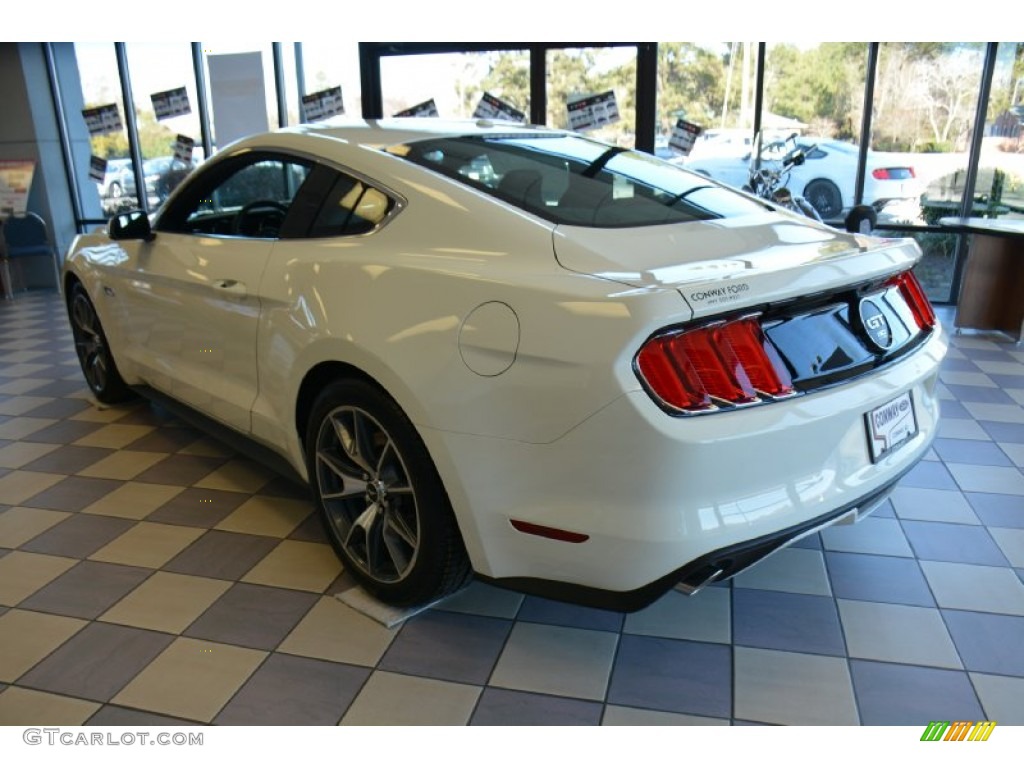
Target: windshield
(569, 179)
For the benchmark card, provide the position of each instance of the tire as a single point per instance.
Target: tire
(93, 350)
(380, 498)
(825, 197)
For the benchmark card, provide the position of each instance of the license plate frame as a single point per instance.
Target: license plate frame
(890, 426)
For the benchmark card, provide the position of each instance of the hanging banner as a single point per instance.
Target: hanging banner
(493, 108)
(426, 109)
(15, 183)
(183, 149)
(97, 169)
(684, 136)
(170, 103)
(591, 112)
(238, 94)
(323, 104)
(103, 119)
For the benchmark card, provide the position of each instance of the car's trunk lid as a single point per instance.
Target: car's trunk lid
(726, 264)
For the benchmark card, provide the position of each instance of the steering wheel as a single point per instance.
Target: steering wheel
(259, 216)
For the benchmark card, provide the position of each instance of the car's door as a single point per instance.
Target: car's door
(192, 301)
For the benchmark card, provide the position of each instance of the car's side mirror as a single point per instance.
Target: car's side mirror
(132, 225)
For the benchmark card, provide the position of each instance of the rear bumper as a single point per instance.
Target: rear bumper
(660, 498)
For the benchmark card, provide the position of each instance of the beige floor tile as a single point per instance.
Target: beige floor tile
(19, 524)
(902, 634)
(614, 715)
(23, 356)
(19, 485)
(193, 679)
(166, 602)
(27, 637)
(1002, 697)
(149, 545)
(392, 699)
(20, 404)
(971, 587)
(18, 455)
(267, 516)
(237, 475)
(22, 426)
(20, 706)
(792, 688)
(703, 617)
(123, 465)
(208, 447)
(21, 386)
(1011, 541)
(133, 500)
(297, 565)
(333, 631)
(22, 573)
(115, 435)
(484, 600)
(789, 570)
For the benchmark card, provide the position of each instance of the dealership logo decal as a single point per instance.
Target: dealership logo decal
(959, 730)
(875, 324)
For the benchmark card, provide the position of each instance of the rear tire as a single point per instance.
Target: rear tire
(93, 350)
(825, 197)
(380, 497)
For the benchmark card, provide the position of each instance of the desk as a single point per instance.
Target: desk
(992, 294)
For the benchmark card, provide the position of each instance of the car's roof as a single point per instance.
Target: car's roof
(401, 130)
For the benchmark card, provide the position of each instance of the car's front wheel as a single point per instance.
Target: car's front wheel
(93, 350)
(380, 498)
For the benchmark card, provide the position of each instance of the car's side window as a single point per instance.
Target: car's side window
(246, 198)
(352, 207)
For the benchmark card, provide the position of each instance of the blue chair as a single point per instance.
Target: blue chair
(24, 236)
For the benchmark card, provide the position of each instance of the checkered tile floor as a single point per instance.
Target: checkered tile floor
(150, 576)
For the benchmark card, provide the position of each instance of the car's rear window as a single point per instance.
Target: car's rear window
(569, 179)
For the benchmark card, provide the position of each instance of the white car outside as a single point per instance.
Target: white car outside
(567, 367)
(826, 178)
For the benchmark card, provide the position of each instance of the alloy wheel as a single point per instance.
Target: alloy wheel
(89, 343)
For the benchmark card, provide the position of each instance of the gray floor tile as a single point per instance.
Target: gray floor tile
(97, 662)
(1004, 480)
(988, 643)
(180, 469)
(501, 707)
(952, 542)
(899, 633)
(64, 432)
(968, 394)
(458, 647)
(68, 459)
(543, 611)
(283, 488)
(60, 408)
(166, 440)
(252, 616)
(1007, 381)
(788, 570)
(786, 622)
(870, 536)
(109, 714)
(562, 661)
(975, 587)
(971, 452)
(999, 510)
(221, 555)
(1002, 697)
(198, 507)
(878, 578)
(310, 529)
(792, 688)
(933, 505)
(291, 690)
(484, 600)
(672, 676)
(895, 694)
(703, 617)
(73, 494)
(929, 474)
(1011, 542)
(951, 409)
(1003, 432)
(87, 589)
(78, 536)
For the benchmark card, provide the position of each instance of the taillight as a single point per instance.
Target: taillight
(916, 299)
(893, 173)
(723, 363)
(880, 173)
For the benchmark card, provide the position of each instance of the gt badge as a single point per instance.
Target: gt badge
(875, 324)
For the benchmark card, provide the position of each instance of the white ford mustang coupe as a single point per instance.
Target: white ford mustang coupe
(570, 368)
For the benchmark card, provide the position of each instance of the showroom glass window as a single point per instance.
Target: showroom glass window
(579, 72)
(999, 189)
(926, 96)
(255, 107)
(455, 81)
(156, 68)
(97, 69)
(329, 65)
